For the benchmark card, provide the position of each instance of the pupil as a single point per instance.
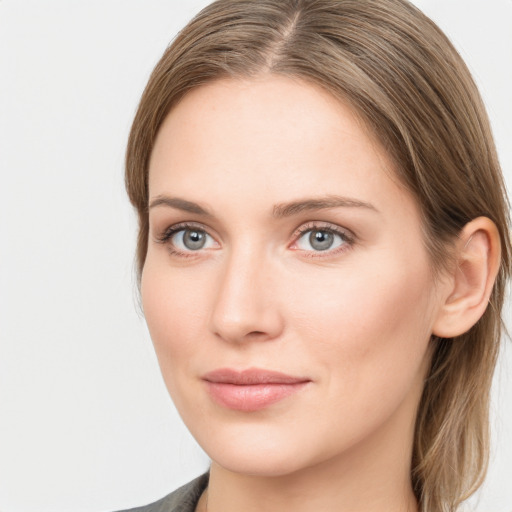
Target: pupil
(194, 240)
(320, 240)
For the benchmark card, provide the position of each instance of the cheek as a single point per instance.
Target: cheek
(174, 315)
(369, 327)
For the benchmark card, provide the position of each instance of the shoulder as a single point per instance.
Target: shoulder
(183, 499)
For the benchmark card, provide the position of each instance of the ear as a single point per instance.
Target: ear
(469, 286)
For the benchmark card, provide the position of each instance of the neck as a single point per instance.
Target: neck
(370, 478)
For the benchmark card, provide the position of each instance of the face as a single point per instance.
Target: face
(286, 288)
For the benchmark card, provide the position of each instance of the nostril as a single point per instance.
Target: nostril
(255, 334)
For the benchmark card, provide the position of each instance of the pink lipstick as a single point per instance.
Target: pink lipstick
(251, 390)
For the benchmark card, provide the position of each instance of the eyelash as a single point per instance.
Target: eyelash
(347, 237)
(166, 236)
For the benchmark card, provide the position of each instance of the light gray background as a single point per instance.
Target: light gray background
(85, 421)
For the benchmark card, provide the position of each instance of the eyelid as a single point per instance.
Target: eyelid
(167, 234)
(169, 231)
(348, 236)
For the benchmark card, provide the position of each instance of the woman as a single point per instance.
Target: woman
(323, 251)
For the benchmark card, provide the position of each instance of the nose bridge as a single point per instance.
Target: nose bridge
(245, 304)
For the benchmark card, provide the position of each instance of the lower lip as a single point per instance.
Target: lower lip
(252, 397)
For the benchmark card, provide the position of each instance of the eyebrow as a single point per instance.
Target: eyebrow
(322, 203)
(179, 204)
(279, 211)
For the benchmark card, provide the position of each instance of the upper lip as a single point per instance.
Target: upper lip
(251, 376)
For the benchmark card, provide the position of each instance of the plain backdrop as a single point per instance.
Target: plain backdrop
(85, 421)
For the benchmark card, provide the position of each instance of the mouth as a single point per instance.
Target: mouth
(251, 390)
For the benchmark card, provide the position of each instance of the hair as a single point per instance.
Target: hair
(404, 78)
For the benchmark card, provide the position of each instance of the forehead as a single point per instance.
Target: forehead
(271, 137)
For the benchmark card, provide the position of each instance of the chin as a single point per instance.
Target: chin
(264, 452)
(252, 464)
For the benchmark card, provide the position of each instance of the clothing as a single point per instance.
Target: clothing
(183, 499)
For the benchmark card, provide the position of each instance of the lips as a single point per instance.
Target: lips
(251, 390)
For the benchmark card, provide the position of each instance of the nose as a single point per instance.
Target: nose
(246, 304)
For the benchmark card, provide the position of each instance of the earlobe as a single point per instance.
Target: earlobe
(477, 262)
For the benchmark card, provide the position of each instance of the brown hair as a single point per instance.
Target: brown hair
(405, 79)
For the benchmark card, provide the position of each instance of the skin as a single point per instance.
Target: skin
(355, 319)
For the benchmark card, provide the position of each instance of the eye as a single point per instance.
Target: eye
(185, 239)
(321, 239)
(191, 239)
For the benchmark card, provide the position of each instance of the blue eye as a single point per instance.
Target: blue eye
(321, 239)
(191, 239)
